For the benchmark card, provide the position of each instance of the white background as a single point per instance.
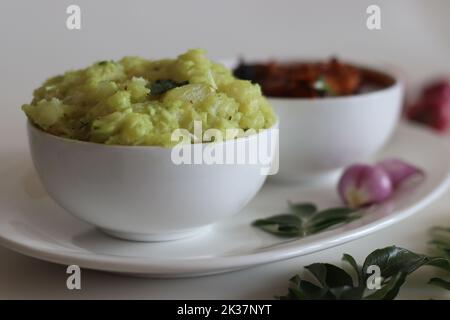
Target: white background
(35, 44)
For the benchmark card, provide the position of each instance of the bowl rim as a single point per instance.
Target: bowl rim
(33, 128)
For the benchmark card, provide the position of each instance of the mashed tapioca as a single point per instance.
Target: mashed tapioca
(136, 101)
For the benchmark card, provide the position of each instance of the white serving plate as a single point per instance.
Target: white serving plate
(31, 223)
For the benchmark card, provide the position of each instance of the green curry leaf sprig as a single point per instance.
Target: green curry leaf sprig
(334, 283)
(304, 219)
(440, 241)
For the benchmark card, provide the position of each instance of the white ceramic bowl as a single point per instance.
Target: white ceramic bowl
(138, 193)
(320, 136)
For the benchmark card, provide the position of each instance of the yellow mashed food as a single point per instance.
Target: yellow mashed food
(136, 101)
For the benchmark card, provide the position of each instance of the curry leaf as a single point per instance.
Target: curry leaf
(303, 289)
(347, 292)
(332, 213)
(393, 260)
(163, 85)
(395, 265)
(304, 219)
(440, 241)
(329, 275)
(390, 289)
(350, 260)
(285, 225)
(302, 209)
(440, 283)
(440, 262)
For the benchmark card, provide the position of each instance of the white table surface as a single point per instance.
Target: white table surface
(35, 44)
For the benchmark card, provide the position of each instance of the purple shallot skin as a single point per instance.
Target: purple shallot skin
(362, 185)
(398, 170)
